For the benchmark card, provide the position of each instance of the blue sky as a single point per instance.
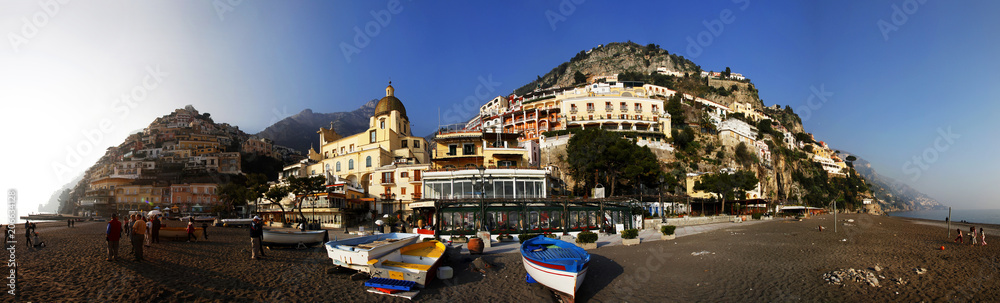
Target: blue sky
(64, 65)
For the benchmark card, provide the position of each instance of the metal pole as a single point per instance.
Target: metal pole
(834, 215)
(949, 222)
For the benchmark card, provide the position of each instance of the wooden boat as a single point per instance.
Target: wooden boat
(179, 232)
(355, 253)
(416, 262)
(293, 238)
(235, 222)
(559, 265)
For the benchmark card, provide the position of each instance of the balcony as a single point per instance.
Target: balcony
(572, 110)
(590, 110)
(655, 111)
(609, 108)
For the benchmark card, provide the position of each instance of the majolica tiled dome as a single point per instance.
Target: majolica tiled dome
(390, 103)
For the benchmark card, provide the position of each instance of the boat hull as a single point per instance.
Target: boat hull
(293, 238)
(416, 262)
(556, 264)
(355, 253)
(236, 222)
(179, 232)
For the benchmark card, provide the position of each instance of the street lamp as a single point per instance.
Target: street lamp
(482, 198)
(659, 194)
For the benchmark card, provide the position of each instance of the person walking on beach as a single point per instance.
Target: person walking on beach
(972, 235)
(960, 239)
(190, 231)
(982, 236)
(156, 229)
(204, 230)
(114, 233)
(256, 236)
(138, 234)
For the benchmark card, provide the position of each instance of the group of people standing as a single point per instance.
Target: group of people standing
(974, 238)
(140, 232)
(31, 236)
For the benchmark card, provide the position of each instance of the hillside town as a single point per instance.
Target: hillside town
(503, 159)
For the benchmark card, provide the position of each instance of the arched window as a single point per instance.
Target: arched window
(350, 164)
(338, 166)
(368, 161)
(382, 124)
(327, 168)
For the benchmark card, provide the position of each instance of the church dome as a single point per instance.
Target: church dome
(390, 103)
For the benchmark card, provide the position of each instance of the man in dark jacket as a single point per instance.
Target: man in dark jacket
(114, 234)
(256, 236)
(156, 229)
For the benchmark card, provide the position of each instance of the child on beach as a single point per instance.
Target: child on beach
(961, 238)
(190, 231)
(982, 237)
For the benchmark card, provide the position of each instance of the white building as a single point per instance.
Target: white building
(829, 165)
(733, 131)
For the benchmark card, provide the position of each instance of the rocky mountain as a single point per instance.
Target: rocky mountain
(893, 195)
(636, 61)
(299, 131)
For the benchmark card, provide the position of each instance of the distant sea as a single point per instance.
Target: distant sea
(988, 216)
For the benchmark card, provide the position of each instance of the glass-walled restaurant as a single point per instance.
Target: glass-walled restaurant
(531, 217)
(516, 202)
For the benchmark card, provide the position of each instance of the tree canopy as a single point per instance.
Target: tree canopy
(728, 186)
(599, 156)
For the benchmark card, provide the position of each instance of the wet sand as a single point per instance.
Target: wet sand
(770, 261)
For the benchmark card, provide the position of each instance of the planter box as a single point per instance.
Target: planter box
(507, 239)
(667, 237)
(459, 240)
(587, 245)
(630, 242)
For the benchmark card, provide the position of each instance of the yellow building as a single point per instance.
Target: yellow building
(623, 113)
(198, 148)
(690, 181)
(387, 146)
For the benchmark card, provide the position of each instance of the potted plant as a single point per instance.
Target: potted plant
(460, 239)
(667, 232)
(630, 237)
(551, 235)
(505, 238)
(587, 240)
(525, 236)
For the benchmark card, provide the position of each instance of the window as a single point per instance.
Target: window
(368, 161)
(452, 149)
(387, 177)
(469, 149)
(338, 166)
(372, 134)
(609, 116)
(352, 148)
(327, 167)
(402, 190)
(416, 143)
(404, 175)
(405, 143)
(506, 163)
(342, 150)
(350, 164)
(382, 123)
(608, 107)
(590, 107)
(638, 107)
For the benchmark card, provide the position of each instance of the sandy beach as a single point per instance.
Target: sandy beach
(779, 260)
